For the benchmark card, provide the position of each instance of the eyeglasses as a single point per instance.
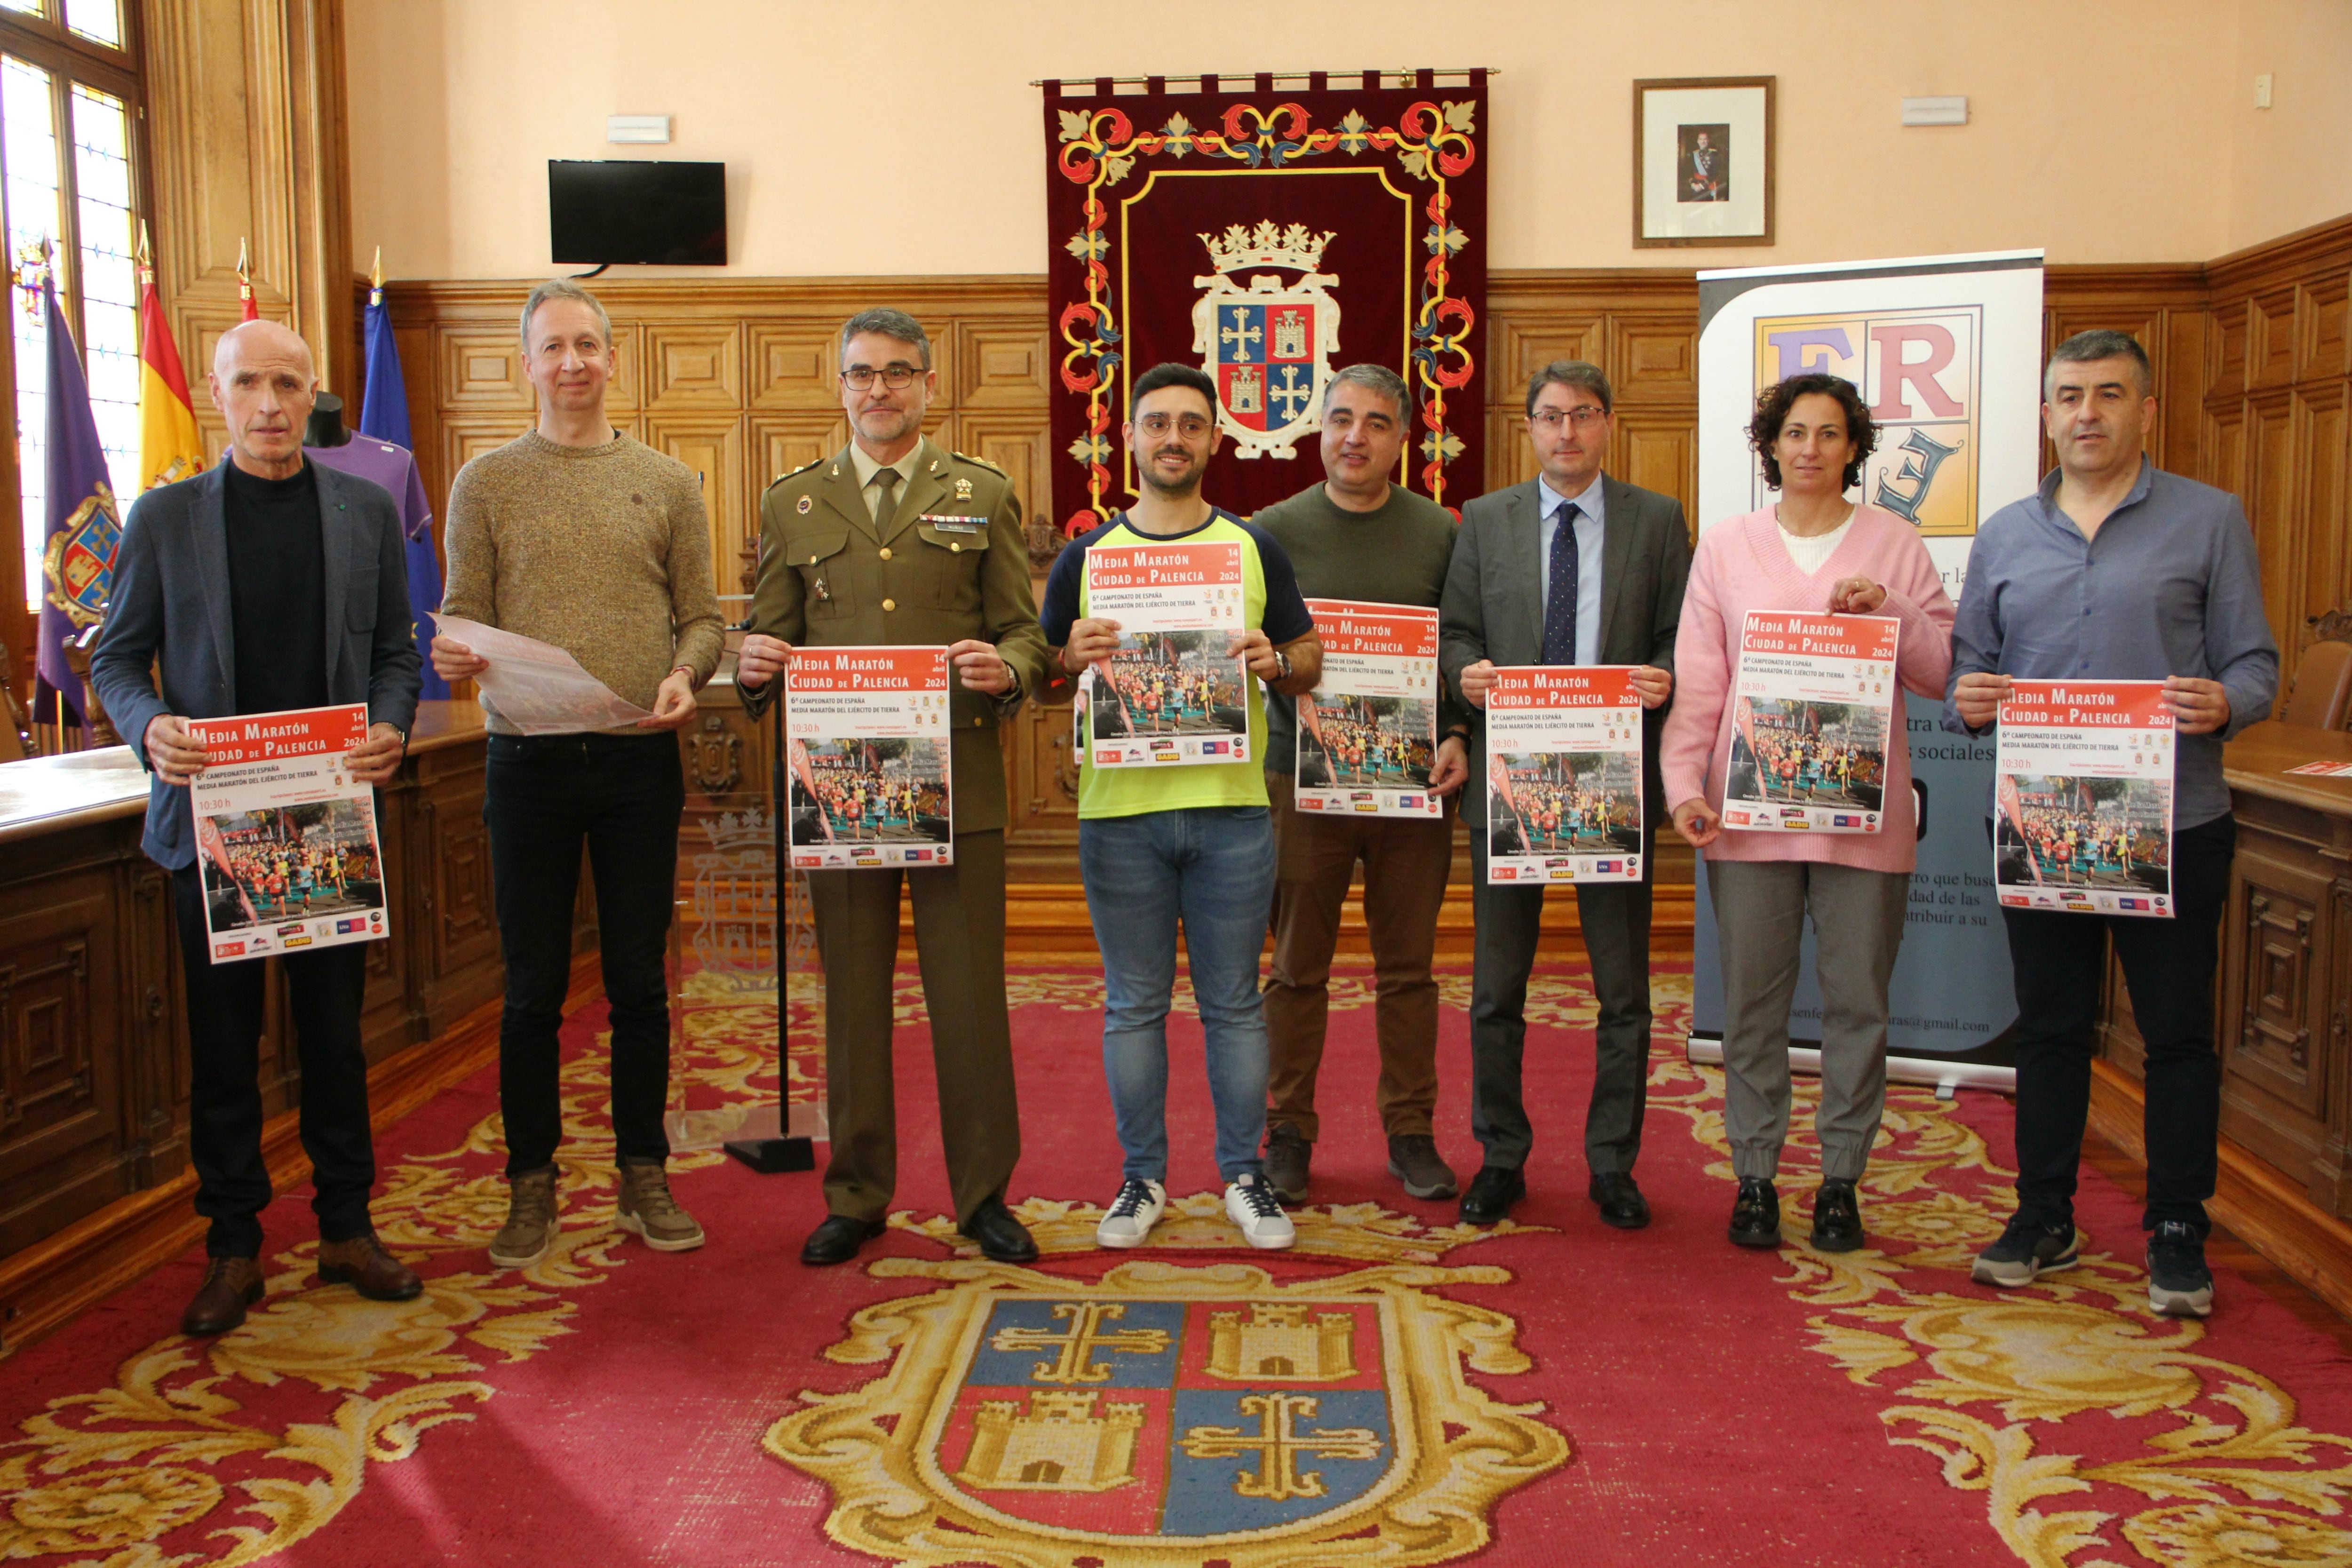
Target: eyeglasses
(1193, 424)
(1583, 417)
(897, 377)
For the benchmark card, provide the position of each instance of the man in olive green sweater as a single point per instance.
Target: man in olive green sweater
(579, 536)
(1359, 535)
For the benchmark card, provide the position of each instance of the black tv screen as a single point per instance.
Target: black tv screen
(607, 211)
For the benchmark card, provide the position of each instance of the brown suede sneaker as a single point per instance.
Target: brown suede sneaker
(363, 1265)
(231, 1284)
(530, 1231)
(647, 1207)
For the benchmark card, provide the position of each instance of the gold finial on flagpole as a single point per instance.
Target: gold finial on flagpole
(146, 257)
(243, 277)
(375, 278)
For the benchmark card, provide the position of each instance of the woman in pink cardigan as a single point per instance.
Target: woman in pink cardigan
(1817, 552)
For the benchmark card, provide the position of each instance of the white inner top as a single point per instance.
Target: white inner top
(1810, 553)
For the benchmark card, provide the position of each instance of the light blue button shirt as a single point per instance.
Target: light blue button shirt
(1587, 559)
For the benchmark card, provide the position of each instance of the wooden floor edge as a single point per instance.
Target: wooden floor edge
(47, 1284)
(2261, 1207)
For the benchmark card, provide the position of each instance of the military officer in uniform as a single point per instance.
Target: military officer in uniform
(893, 540)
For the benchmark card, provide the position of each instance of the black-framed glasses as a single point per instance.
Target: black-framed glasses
(1583, 417)
(897, 377)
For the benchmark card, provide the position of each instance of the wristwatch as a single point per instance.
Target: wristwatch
(1282, 663)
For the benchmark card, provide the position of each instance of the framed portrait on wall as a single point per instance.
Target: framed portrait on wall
(1703, 158)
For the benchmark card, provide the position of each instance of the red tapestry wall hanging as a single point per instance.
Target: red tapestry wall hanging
(1270, 238)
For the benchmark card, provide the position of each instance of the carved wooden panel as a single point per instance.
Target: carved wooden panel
(1511, 459)
(461, 917)
(2316, 508)
(481, 367)
(1016, 440)
(793, 364)
(784, 443)
(2270, 338)
(1003, 362)
(712, 446)
(1654, 359)
(693, 364)
(2281, 942)
(1519, 345)
(1659, 451)
(2324, 328)
(2270, 457)
(63, 1120)
(2227, 344)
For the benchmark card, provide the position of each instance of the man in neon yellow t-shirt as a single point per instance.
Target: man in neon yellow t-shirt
(1191, 843)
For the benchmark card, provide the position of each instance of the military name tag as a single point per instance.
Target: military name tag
(951, 523)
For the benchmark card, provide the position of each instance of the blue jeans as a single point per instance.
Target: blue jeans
(1213, 868)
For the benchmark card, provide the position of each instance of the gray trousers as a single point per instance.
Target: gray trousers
(1857, 917)
(1615, 917)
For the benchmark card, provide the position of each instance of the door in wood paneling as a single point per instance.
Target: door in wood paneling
(712, 446)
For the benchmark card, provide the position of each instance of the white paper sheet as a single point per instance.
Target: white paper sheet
(536, 687)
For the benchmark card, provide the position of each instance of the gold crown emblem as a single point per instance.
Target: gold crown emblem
(1266, 245)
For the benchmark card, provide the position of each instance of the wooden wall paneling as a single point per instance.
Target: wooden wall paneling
(1658, 450)
(64, 1125)
(155, 1031)
(2270, 462)
(1001, 361)
(1653, 358)
(695, 364)
(1016, 440)
(1510, 460)
(479, 367)
(791, 364)
(712, 444)
(2315, 506)
(2321, 340)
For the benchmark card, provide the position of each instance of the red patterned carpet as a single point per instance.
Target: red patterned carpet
(1394, 1392)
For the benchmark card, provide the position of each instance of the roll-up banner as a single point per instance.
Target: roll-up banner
(1947, 352)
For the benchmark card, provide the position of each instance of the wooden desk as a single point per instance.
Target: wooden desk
(93, 1059)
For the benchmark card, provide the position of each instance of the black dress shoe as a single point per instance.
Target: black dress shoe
(1756, 1213)
(1837, 1218)
(1001, 1238)
(838, 1239)
(1492, 1193)
(1621, 1203)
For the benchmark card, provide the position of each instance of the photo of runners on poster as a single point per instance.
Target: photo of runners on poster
(1172, 692)
(286, 837)
(1368, 733)
(2083, 797)
(1564, 775)
(867, 758)
(1814, 699)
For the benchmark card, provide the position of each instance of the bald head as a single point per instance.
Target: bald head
(264, 383)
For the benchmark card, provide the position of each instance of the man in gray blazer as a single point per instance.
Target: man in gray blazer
(1606, 588)
(262, 585)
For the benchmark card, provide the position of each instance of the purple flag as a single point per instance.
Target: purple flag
(383, 416)
(77, 563)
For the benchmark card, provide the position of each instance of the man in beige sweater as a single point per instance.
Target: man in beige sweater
(579, 536)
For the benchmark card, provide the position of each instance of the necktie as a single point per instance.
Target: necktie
(885, 505)
(1560, 605)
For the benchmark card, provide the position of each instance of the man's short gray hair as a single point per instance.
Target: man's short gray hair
(1570, 372)
(890, 323)
(1380, 379)
(564, 288)
(2099, 342)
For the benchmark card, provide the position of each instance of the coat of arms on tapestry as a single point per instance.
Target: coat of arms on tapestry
(1270, 236)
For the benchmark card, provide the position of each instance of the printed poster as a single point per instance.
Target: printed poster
(1172, 693)
(286, 837)
(1564, 775)
(1368, 733)
(1812, 702)
(866, 736)
(2083, 794)
(2325, 770)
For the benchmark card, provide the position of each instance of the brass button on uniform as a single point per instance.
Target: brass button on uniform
(956, 545)
(889, 603)
(886, 553)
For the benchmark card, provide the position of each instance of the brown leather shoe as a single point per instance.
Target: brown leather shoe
(363, 1264)
(231, 1284)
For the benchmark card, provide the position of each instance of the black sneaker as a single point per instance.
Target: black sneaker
(2179, 1283)
(2027, 1247)
(1837, 1217)
(1756, 1213)
(1288, 1153)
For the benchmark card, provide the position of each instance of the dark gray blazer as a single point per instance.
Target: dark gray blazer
(1494, 608)
(169, 613)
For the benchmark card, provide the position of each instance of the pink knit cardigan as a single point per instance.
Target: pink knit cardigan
(1742, 566)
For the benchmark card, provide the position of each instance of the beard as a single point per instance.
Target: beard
(1172, 489)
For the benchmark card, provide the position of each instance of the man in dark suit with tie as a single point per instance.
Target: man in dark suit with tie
(1571, 567)
(263, 585)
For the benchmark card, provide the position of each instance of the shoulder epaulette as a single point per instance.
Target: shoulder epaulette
(803, 468)
(981, 463)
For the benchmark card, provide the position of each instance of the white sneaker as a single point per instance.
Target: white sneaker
(1250, 1204)
(1132, 1214)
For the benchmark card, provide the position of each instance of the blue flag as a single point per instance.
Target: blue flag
(77, 561)
(383, 416)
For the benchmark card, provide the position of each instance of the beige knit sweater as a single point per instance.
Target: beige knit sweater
(603, 550)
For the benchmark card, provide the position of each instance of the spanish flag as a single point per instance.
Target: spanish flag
(169, 446)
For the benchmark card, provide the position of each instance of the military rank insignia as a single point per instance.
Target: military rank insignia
(964, 490)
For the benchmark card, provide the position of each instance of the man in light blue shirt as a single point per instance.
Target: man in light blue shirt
(2113, 569)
